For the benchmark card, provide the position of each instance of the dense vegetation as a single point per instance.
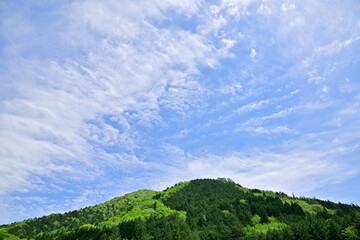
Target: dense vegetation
(199, 209)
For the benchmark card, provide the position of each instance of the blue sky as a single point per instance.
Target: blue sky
(101, 98)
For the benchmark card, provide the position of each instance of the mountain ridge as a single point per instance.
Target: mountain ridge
(197, 209)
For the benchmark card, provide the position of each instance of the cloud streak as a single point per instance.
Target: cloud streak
(303, 171)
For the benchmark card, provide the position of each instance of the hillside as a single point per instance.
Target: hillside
(199, 209)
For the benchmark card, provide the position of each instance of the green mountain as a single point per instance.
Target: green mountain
(199, 209)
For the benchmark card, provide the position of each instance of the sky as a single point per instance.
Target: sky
(102, 98)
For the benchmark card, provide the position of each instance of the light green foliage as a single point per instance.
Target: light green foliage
(57, 224)
(87, 226)
(309, 208)
(245, 190)
(331, 211)
(270, 193)
(351, 233)
(266, 227)
(249, 233)
(255, 219)
(173, 190)
(257, 227)
(266, 193)
(315, 208)
(4, 235)
(228, 180)
(273, 224)
(142, 207)
(129, 198)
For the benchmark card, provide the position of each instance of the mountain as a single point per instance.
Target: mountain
(199, 209)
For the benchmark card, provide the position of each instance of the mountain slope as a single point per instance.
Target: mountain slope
(199, 209)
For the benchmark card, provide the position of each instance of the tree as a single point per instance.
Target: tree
(263, 215)
(350, 233)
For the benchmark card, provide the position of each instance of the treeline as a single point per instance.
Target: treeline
(174, 227)
(169, 227)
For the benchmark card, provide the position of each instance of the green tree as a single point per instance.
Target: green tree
(350, 233)
(263, 215)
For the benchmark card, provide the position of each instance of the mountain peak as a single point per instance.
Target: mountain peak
(197, 209)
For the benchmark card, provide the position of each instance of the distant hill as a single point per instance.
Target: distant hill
(199, 209)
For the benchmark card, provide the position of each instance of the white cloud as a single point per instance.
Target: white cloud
(269, 130)
(280, 114)
(236, 8)
(213, 21)
(295, 92)
(227, 45)
(256, 121)
(253, 54)
(253, 106)
(232, 89)
(296, 171)
(287, 6)
(264, 9)
(336, 46)
(56, 123)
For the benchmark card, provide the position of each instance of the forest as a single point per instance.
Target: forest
(198, 209)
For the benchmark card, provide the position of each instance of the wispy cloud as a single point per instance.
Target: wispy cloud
(60, 124)
(268, 130)
(301, 171)
(253, 106)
